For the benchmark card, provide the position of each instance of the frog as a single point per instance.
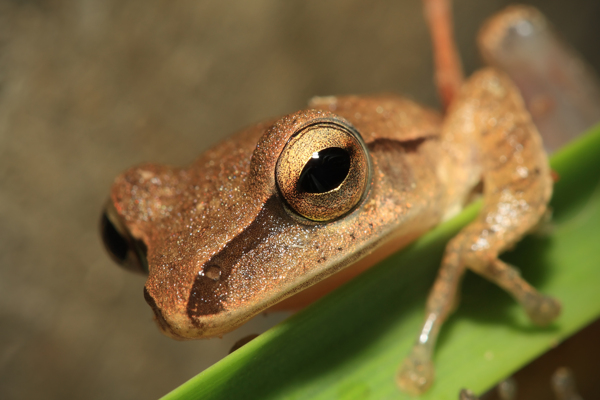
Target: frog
(285, 210)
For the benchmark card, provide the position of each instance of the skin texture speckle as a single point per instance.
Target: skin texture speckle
(225, 211)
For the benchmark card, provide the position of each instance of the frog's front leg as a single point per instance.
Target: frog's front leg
(517, 186)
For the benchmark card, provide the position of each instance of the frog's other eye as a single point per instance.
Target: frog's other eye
(324, 170)
(126, 251)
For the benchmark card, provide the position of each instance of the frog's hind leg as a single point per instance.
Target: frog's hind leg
(517, 186)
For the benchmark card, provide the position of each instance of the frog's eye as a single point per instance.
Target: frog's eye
(323, 171)
(123, 249)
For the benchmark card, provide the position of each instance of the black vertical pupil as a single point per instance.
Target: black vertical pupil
(325, 171)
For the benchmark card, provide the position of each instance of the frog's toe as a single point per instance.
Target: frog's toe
(415, 376)
(542, 309)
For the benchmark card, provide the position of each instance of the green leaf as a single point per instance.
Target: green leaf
(349, 344)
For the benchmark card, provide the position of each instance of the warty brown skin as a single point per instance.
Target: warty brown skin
(225, 209)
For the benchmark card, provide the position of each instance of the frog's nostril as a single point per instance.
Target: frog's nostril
(126, 251)
(116, 244)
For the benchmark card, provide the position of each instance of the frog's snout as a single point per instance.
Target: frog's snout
(126, 251)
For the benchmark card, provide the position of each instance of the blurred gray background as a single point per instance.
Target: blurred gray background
(89, 88)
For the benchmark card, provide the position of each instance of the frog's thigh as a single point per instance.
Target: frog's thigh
(517, 187)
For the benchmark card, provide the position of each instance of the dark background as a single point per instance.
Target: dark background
(89, 88)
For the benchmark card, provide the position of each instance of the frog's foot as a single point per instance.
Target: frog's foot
(542, 310)
(416, 374)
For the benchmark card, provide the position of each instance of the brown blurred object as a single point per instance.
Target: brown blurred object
(546, 378)
(560, 90)
(563, 384)
(89, 88)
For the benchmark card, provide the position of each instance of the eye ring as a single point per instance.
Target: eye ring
(324, 170)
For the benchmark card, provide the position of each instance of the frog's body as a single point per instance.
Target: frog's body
(236, 232)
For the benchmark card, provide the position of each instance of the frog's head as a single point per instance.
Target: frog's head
(252, 221)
